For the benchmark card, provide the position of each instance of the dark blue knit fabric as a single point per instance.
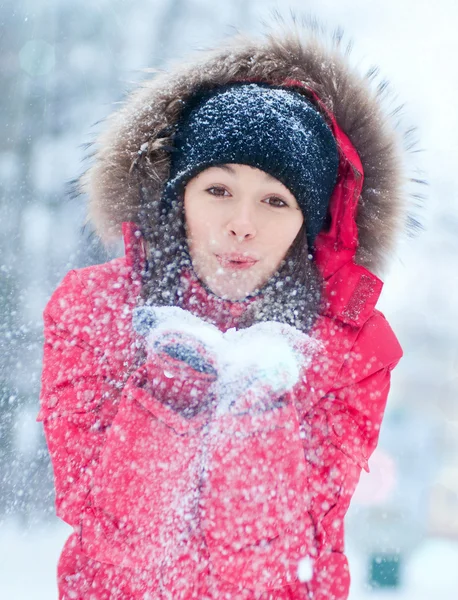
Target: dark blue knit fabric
(274, 129)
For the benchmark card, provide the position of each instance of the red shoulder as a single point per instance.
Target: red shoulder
(376, 347)
(378, 339)
(91, 301)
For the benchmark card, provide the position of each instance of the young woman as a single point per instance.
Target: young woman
(210, 399)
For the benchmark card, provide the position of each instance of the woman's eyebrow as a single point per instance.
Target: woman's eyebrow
(269, 176)
(226, 168)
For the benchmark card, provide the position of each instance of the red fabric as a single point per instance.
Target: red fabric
(210, 506)
(122, 458)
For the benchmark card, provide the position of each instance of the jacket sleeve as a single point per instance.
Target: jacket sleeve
(278, 481)
(109, 436)
(78, 401)
(341, 430)
(355, 404)
(340, 434)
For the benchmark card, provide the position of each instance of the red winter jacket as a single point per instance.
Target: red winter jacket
(120, 456)
(149, 520)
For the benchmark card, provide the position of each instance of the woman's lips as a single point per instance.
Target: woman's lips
(236, 262)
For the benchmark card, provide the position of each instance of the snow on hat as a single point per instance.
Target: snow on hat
(274, 129)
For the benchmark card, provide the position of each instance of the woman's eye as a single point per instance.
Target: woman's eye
(274, 201)
(214, 190)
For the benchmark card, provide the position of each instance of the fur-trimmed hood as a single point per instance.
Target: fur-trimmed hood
(139, 133)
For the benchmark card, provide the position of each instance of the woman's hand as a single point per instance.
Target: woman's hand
(180, 367)
(260, 365)
(252, 369)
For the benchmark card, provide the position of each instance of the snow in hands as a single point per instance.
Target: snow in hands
(264, 360)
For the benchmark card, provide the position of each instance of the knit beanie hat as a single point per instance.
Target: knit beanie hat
(274, 129)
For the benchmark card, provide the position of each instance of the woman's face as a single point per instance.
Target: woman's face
(240, 223)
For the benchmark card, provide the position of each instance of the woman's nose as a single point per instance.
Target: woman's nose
(241, 226)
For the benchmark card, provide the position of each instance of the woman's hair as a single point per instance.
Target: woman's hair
(292, 295)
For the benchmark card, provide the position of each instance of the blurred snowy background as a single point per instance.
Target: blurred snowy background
(64, 65)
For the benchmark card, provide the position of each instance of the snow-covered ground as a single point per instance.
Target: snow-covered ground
(28, 559)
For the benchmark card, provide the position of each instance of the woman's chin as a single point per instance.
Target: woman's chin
(233, 290)
(234, 295)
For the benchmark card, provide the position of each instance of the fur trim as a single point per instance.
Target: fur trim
(134, 144)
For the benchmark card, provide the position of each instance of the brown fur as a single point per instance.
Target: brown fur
(130, 148)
